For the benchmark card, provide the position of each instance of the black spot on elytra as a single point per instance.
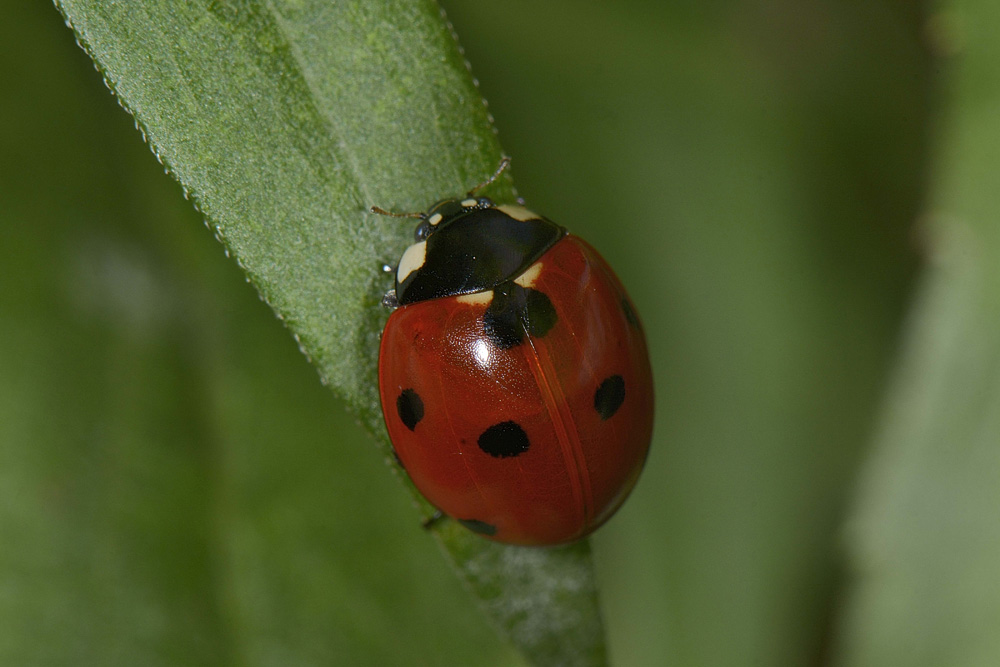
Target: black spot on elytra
(609, 396)
(515, 310)
(504, 440)
(630, 315)
(410, 408)
(480, 527)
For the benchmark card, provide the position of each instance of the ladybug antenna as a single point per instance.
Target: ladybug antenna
(382, 211)
(504, 163)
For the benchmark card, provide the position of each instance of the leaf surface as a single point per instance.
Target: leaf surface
(284, 122)
(925, 539)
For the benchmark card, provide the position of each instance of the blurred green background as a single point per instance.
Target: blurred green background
(176, 488)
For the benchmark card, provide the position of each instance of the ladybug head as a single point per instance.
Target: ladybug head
(446, 211)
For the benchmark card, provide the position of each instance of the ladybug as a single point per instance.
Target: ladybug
(513, 373)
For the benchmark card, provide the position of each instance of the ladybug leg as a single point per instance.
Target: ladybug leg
(434, 519)
(389, 301)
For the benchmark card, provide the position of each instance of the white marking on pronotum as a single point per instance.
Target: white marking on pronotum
(469, 203)
(434, 219)
(411, 260)
(476, 298)
(530, 275)
(518, 212)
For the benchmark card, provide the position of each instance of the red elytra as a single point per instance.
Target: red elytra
(535, 441)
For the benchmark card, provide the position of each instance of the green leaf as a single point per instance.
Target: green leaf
(925, 539)
(285, 122)
(176, 488)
